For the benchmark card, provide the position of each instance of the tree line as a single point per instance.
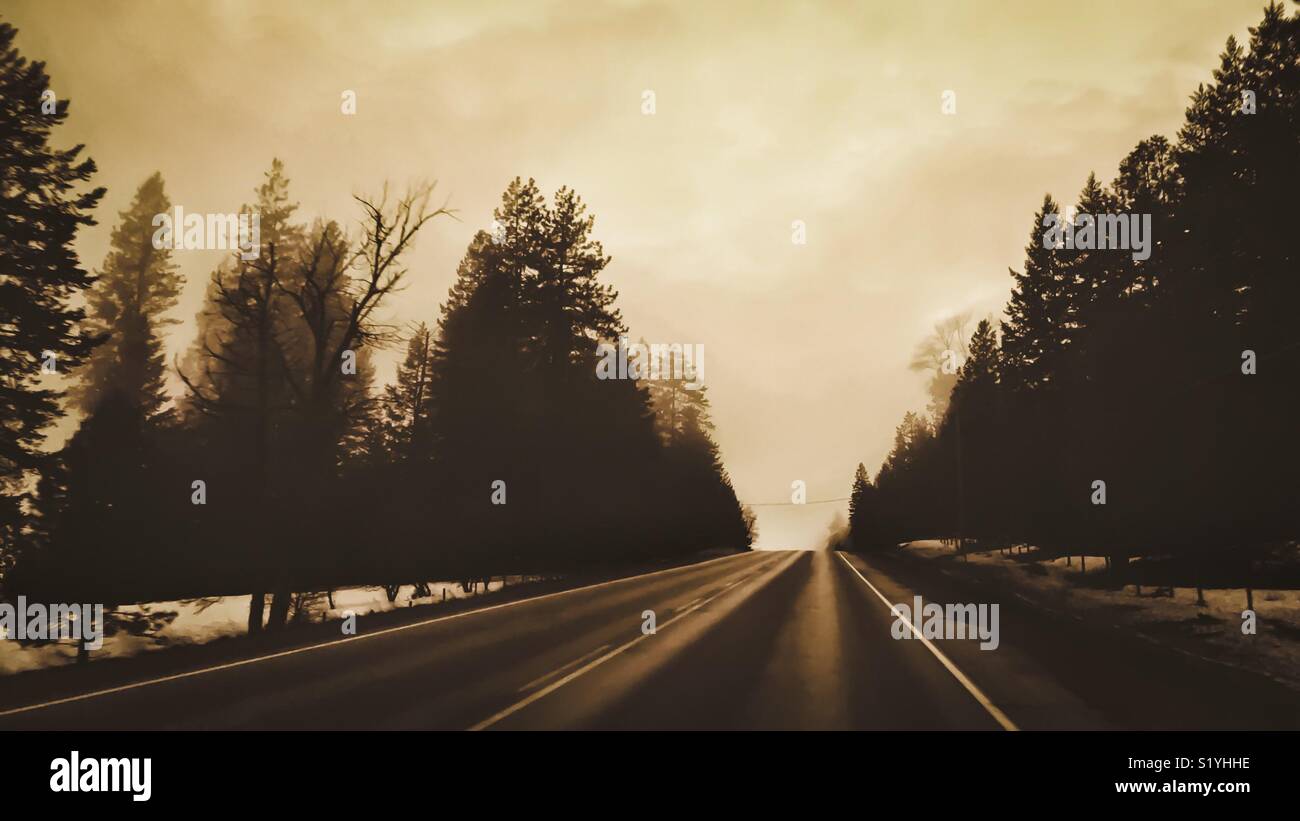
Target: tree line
(281, 468)
(1131, 407)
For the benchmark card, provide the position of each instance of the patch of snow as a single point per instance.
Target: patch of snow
(196, 621)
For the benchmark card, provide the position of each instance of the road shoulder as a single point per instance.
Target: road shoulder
(1102, 676)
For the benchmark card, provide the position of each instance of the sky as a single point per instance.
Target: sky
(764, 114)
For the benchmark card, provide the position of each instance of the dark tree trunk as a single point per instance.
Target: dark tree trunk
(279, 609)
(256, 611)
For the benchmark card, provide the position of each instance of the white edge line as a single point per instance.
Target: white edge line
(551, 688)
(985, 702)
(334, 642)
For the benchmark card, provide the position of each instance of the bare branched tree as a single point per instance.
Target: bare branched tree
(336, 291)
(940, 354)
(331, 297)
(286, 320)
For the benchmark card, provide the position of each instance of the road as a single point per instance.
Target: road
(763, 640)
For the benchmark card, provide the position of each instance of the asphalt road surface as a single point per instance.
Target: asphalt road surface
(763, 640)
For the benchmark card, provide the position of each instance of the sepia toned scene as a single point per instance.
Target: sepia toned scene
(648, 365)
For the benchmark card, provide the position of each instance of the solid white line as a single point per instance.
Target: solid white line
(617, 651)
(547, 676)
(998, 716)
(333, 642)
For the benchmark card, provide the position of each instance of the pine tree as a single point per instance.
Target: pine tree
(1235, 284)
(234, 372)
(676, 405)
(137, 284)
(1090, 277)
(42, 205)
(572, 310)
(511, 385)
(1035, 332)
(518, 400)
(240, 389)
(117, 466)
(863, 526)
(407, 403)
(706, 500)
(975, 434)
(528, 303)
(1036, 337)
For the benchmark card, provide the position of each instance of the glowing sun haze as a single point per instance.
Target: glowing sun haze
(765, 114)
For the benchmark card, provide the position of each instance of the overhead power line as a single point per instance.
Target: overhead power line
(795, 504)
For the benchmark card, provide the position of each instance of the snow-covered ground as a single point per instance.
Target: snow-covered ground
(194, 621)
(1213, 631)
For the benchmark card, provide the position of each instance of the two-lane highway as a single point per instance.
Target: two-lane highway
(769, 639)
(806, 647)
